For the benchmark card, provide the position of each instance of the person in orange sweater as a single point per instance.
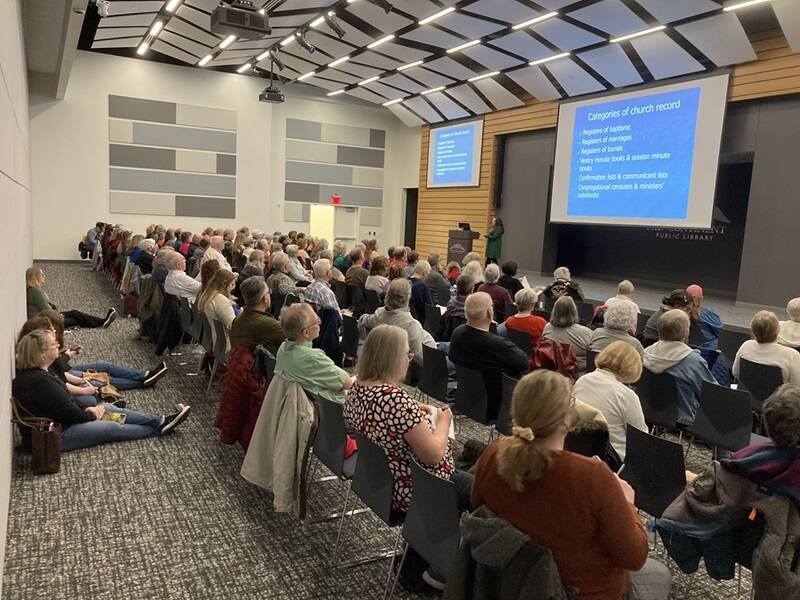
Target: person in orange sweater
(573, 505)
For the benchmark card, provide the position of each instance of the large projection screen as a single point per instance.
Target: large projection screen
(647, 157)
(454, 155)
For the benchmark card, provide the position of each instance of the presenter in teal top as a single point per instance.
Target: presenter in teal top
(494, 241)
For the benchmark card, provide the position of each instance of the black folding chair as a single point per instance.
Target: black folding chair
(433, 316)
(591, 355)
(373, 300)
(760, 380)
(349, 343)
(511, 309)
(585, 312)
(276, 304)
(724, 418)
(342, 292)
(263, 362)
(658, 393)
(521, 339)
(504, 420)
(696, 339)
(185, 313)
(472, 399)
(641, 321)
(433, 379)
(220, 349)
(545, 314)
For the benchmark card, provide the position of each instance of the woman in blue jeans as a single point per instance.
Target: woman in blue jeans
(45, 395)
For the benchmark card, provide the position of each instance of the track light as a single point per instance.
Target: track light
(636, 34)
(205, 60)
(384, 4)
(172, 5)
(275, 57)
(306, 75)
(301, 39)
(227, 41)
(334, 24)
(156, 27)
(143, 48)
(245, 67)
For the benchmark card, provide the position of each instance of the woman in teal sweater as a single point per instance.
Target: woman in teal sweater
(494, 242)
(37, 301)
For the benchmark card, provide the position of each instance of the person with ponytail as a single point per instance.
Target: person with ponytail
(572, 505)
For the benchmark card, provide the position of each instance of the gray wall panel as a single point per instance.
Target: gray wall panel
(360, 157)
(293, 212)
(311, 172)
(303, 130)
(143, 157)
(183, 137)
(226, 164)
(301, 192)
(344, 134)
(352, 196)
(139, 109)
(377, 138)
(194, 206)
(171, 182)
(132, 203)
(204, 116)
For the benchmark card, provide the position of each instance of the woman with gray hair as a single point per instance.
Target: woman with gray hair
(254, 266)
(765, 349)
(618, 324)
(474, 271)
(789, 334)
(340, 256)
(396, 311)
(525, 320)
(328, 255)
(499, 294)
(563, 286)
(296, 269)
(279, 281)
(564, 327)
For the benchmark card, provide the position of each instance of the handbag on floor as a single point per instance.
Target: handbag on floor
(45, 440)
(99, 377)
(109, 393)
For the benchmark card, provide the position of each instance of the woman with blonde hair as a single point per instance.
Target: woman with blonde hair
(606, 389)
(572, 505)
(254, 266)
(217, 302)
(37, 301)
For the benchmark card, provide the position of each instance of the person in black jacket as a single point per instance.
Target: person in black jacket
(563, 286)
(45, 395)
(475, 347)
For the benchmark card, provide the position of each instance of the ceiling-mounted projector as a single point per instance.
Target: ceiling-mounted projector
(240, 18)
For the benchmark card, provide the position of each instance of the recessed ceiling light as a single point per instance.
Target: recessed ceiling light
(638, 34)
(437, 15)
(246, 66)
(306, 75)
(464, 46)
(395, 101)
(156, 27)
(317, 22)
(339, 61)
(227, 41)
(205, 60)
(383, 40)
(143, 48)
(538, 19)
(484, 76)
(430, 91)
(416, 63)
(738, 5)
(287, 40)
(370, 80)
(533, 63)
(335, 92)
(172, 5)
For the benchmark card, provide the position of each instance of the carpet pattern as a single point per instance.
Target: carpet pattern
(171, 517)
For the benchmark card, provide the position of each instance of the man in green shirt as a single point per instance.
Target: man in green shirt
(254, 326)
(298, 361)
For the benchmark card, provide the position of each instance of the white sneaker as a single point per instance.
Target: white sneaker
(432, 581)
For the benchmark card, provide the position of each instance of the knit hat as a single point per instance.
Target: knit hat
(695, 291)
(677, 299)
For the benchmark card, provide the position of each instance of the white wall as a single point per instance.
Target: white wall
(69, 141)
(15, 245)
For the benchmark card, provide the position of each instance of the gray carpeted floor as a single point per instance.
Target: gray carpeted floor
(171, 517)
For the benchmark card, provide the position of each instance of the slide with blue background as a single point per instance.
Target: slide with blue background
(633, 158)
(452, 152)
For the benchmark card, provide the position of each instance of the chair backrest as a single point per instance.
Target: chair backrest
(185, 312)
(641, 321)
(373, 482)
(504, 420)
(349, 344)
(342, 292)
(724, 417)
(276, 301)
(471, 397)
(695, 335)
(658, 393)
(221, 341)
(433, 379)
(585, 312)
(431, 527)
(511, 309)
(358, 300)
(433, 316)
(264, 362)
(760, 380)
(521, 339)
(331, 439)
(540, 312)
(291, 299)
(591, 355)
(655, 469)
(373, 300)
(587, 443)
(206, 339)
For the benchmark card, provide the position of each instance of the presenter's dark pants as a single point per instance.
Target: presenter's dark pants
(490, 260)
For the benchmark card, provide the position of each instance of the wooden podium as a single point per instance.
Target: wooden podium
(459, 243)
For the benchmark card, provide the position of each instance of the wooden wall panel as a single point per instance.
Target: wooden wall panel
(775, 72)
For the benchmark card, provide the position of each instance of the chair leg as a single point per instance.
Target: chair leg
(688, 448)
(394, 559)
(211, 377)
(397, 575)
(341, 522)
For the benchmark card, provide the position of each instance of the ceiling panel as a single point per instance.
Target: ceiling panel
(429, 78)
(387, 92)
(422, 8)
(326, 84)
(536, 83)
(353, 36)
(565, 36)
(470, 27)
(423, 109)
(301, 4)
(359, 70)
(447, 106)
(721, 38)
(164, 48)
(613, 64)
(400, 52)
(190, 30)
(298, 64)
(611, 16)
(450, 67)
(664, 57)
(139, 20)
(574, 78)
(116, 32)
(191, 47)
(434, 37)
(342, 78)
(511, 11)
(407, 117)
(254, 45)
(556, 4)
(360, 92)
(667, 11)
(121, 43)
(788, 15)
(332, 46)
(119, 7)
(524, 45)
(207, 5)
(469, 98)
(377, 17)
(289, 20)
(401, 81)
(497, 94)
(490, 58)
(379, 61)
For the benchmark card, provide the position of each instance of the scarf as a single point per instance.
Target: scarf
(775, 468)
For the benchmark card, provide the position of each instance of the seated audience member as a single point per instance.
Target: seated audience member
(672, 355)
(380, 410)
(572, 505)
(328, 255)
(216, 245)
(454, 316)
(473, 271)
(624, 296)
(765, 349)
(319, 293)
(757, 480)
(420, 292)
(297, 270)
(413, 259)
(509, 278)
(377, 281)
(356, 275)
(217, 303)
(178, 283)
(254, 267)
(254, 325)
(340, 256)
(453, 272)
(207, 272)
(399, 258)
(473, 346)
(160, 270)
(145, 258)
(299, 361)
(525, 320)
(564, 327)
(438, 284)
(185, 243)
(677, 299)
(279, 281)
(606, 389)
(498, 293)
(396, 311)
(196, 260)
(37, 301)
(44, 395)
(789, 334)
(706, 318)
(618, 323)
(396, 272)
(469, 257)
(563, 286)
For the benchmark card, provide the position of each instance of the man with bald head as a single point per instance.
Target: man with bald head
(472, 345)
